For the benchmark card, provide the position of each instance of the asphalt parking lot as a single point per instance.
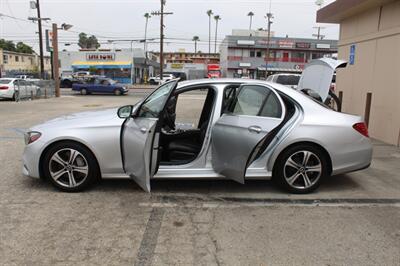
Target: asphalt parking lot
(353, 219)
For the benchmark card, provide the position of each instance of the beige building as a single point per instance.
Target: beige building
(370, 41)
(12, 62)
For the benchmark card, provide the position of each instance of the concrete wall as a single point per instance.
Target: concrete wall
(376, 34)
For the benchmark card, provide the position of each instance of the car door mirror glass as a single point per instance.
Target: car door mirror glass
(125, 111)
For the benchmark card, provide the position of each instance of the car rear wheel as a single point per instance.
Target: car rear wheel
(70, 167)
(300, 169)
(84, 91)
(117, 92)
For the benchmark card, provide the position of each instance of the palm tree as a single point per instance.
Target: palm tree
(250, 14)
(209, 14)
(195, 39)
(147, 16)
(217, 18)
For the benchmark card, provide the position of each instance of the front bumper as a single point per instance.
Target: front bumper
(31, 158)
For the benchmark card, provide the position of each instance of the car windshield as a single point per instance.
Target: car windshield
(5, 81)
(288, 79)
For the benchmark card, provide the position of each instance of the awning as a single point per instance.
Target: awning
(101, 65)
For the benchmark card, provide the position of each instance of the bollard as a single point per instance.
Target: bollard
(368, 108)
(32, 95)
(341, 101)
(45, 93)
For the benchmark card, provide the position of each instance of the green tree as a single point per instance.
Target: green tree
(7, 45)
(23, 48)
(86, 42)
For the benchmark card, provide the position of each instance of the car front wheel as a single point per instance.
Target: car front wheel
(84, 91)
(300, 169)
(117, 92)
(70, 167)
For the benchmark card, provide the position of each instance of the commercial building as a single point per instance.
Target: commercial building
(13, 63)
(123, 65)
(194, 65)
(370, 41)
(244, 53)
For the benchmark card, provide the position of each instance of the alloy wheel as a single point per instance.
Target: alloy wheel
(68, 168)
(302, 169)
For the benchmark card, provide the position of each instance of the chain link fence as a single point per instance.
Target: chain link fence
(33, 89)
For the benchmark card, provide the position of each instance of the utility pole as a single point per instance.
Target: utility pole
(56, 74)
(40, 40)
(319, 35)
(161, 13)
(270, 16)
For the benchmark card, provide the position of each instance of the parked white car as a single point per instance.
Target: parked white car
(157, 80)
(13, 88)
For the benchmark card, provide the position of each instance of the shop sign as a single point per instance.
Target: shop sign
(303, 45)
(265, 42)
(176, 66)
(244, 64)
(286, 44)
(323, 46)
(246, 42)
(100, 57)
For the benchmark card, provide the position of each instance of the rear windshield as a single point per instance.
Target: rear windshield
(288, 80)
(5, 81)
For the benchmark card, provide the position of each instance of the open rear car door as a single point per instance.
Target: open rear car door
(140, 136)
(246, 129)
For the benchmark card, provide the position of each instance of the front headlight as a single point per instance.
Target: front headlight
(31, 136)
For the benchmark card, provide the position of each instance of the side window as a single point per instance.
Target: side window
(272, 107)
(154, 104)
(249, 100)
(256, 100)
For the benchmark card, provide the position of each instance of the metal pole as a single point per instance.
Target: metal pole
(216, 33)
(55, 60)
(269, 16)
(132, 66)
(145, 51)
(209, 36)
(40, 40)
(162, 40)
(368, 108)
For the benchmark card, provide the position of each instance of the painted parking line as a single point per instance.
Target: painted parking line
(234, 202)
(150, 238)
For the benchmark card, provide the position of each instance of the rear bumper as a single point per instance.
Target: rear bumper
(358, 159)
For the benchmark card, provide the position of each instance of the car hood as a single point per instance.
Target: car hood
(318, 75)
(98, 118)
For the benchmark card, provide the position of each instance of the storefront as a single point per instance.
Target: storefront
(119, 71)
(123, 65)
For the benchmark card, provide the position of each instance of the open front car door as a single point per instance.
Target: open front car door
(245, 130)
(140, 136)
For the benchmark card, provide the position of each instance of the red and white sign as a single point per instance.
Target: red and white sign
(285, 44)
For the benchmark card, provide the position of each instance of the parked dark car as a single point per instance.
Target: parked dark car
(99, 85)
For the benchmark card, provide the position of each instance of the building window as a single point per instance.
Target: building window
(259, 54)
(253, 53)
(22, 58)
(16, 58)
(5, 59)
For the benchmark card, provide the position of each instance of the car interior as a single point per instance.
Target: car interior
(182, 137)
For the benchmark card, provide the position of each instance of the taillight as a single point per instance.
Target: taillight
(3, 87)
(362, 129)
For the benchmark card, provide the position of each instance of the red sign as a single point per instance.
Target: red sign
(305, 45)
(286, 44)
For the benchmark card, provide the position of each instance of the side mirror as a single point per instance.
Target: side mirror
(125, 111)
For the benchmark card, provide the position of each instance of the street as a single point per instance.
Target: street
(353, 219)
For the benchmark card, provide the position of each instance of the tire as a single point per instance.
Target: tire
(15, 96)
(334, 102)
(84, 91)
(117, 92)
(293, 175)
(70, 177)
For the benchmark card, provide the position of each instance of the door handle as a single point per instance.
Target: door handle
(255, 129)
(143, 130)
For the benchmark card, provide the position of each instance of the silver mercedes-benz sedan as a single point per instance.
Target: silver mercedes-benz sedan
(245, 129)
